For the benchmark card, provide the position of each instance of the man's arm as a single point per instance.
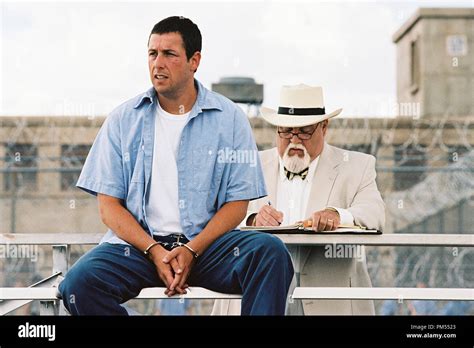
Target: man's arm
(115, 216)
(227, 218)
(368, 208)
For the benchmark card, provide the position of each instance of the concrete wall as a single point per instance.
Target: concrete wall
(49, 209)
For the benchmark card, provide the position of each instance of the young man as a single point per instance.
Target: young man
(169, 197)
(310, 179)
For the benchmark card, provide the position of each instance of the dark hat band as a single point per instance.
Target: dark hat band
(301, 111)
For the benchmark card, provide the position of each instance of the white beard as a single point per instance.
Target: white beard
(295, 163)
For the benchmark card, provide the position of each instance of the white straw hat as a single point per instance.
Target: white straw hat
(300, 106)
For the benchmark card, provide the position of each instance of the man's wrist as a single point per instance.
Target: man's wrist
(190, 249)
(148, 251)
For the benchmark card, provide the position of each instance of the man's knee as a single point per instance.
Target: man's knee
(272, 254)
(272, 247)
(76, 283)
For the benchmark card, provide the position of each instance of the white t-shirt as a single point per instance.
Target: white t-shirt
(162, 207)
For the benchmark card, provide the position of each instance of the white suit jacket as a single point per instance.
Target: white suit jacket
(343, 179)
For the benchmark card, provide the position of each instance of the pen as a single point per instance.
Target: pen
(270, 204)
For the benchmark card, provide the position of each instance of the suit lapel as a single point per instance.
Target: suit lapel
(269, 160)
(323, 180)
(272, 176)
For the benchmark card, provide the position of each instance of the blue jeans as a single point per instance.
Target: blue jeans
(254, 264)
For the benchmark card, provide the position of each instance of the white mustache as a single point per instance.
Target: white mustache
(295, 163)
(296, 147)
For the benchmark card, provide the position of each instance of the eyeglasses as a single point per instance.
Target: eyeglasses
(287, 133)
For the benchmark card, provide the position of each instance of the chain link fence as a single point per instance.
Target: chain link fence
(425, 173)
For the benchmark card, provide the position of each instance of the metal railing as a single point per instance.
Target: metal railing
(45, 290)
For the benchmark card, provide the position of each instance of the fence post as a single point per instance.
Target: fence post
(60, 258)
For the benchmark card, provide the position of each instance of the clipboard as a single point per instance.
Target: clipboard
(299, 228)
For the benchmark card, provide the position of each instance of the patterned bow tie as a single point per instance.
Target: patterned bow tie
(290, 175)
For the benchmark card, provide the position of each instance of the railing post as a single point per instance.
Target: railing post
(295, 306)
(60, 264)
(61, 259)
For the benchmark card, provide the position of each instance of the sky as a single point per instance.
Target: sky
(85, 58)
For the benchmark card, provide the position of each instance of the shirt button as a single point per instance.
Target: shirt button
(143, 147)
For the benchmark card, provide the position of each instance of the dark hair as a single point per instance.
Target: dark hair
(186, 28)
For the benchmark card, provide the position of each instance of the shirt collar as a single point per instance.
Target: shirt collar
(206, 99)
(312, 169)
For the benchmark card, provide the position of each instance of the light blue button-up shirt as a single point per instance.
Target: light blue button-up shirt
(217, 159)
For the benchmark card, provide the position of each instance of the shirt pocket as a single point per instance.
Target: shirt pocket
(206, 170)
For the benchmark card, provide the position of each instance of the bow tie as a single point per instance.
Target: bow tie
(290, 175)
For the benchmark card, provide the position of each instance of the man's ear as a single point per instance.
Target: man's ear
(195, 60)
(324, 126)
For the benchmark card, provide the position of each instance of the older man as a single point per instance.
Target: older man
(309, 179)
(170, 204)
